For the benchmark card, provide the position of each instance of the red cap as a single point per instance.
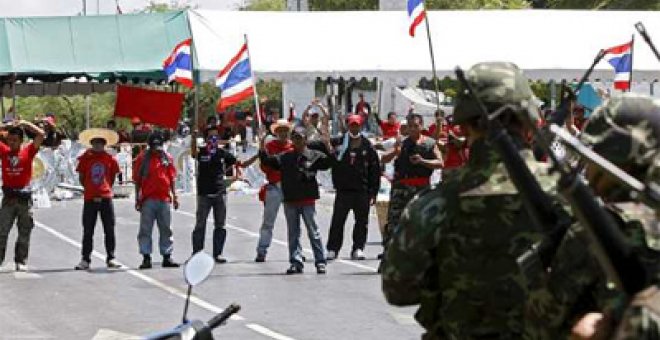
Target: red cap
(354, 119)
(136, 120)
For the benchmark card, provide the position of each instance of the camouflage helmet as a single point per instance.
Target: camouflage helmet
(496, 84)
(626, 131)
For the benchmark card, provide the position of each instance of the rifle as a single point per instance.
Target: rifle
(642, 31)
(547, 216)
(612, 251)
(648, 194)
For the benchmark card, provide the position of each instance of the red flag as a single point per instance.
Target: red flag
(155, 107)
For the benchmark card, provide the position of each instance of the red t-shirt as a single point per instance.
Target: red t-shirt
(390, 130)
(98, 170)
(454, 157)
(275, 147)
(160, 177)
(17, 165)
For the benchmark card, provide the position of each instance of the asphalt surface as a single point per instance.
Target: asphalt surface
(53, 301)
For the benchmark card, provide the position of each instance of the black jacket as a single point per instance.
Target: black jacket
(298, 172)
(358, 170)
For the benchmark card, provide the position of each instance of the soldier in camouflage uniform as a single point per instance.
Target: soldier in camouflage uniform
(457, 247)
(626, 131)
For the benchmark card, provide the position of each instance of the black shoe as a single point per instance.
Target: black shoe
(220, 259)
(146, 262)
(294, 270)
(260, 258)
(320, 268)
(169, 263)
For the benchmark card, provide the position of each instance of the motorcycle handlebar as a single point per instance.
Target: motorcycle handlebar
(223, 316)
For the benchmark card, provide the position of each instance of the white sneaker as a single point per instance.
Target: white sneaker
(83, 265)
(358, 254)
(21, 267)
(331, 255)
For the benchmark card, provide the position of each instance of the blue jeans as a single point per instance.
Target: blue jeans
(204, 206)
(158, 211)
(271, 207)
(293, 214)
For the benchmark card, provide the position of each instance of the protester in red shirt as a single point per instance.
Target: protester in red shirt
(97, 170)
(390, 128)
(363, 109)
(271, 193)
(154, 176)
(17, 194)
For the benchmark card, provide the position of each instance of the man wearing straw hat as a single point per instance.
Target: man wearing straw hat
(271, 193)
(97, 170)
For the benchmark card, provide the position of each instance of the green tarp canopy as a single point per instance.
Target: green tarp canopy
(107, 47)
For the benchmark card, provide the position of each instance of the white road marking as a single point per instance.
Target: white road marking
(107, 334)
(27, 275)
(174, 291)
(267, 332)
(282, 243)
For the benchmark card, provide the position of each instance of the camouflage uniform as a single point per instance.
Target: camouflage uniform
(456, 250)
(625, 132)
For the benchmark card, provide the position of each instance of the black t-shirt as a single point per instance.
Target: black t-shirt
(211, 176)
(403, 168)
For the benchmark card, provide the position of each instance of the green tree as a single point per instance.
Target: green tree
(343, 5)
(477, 4)
(158, 7)
(605, 4)
(265, 5)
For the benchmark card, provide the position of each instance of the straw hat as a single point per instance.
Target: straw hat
(85, 137)
(280, 123)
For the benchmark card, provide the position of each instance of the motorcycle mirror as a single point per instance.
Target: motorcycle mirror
(198, 268)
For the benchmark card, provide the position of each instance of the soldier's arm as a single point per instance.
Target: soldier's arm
(408, 255)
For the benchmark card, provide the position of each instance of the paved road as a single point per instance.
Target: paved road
(53, 301)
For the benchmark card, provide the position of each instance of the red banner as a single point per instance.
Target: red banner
(151, 106)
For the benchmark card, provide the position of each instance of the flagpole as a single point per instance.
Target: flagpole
(254, 84)
(435, 76)
(632, 49)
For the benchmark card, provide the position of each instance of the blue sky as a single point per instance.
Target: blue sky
(18, 8)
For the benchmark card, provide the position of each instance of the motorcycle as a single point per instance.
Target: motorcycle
(196, 270)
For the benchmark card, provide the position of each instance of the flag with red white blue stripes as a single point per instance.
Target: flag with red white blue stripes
(416, 13)
(620, 57)
(235, 80)
(178, 66)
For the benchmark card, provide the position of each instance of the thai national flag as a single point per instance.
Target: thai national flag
(235, 80)
(178, 66)
(416, 13)
(620, 57)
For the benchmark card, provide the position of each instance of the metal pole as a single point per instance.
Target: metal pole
(98, 10)
(13, 97)
(632, 49)
(84, 3)
(435, 76)
(2, 99)
(87, 108)
(254, 85)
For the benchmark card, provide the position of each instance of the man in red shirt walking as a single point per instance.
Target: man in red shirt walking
(97, 170)
(154, 176)
(17, 194)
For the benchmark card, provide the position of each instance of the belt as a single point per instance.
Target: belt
(415, 181)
